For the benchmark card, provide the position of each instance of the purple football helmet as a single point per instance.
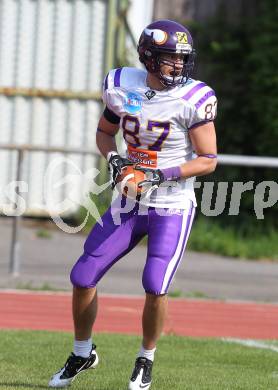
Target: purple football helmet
(166, 36)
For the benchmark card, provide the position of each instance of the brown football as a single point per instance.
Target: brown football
(127, 182)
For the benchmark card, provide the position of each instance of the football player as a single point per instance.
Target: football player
(166, 120)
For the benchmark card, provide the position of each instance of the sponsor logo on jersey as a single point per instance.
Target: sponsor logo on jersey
(150, 94)
(145, 158)
(133, 103)
(182, 37)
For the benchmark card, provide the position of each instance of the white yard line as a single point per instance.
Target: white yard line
(250, 343)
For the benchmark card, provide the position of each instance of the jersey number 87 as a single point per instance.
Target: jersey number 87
(131, 122)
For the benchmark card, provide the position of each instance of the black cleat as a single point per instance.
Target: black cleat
(141, 377)
(73, 367)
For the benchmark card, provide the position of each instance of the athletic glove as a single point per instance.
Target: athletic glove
(115, 165)
(155, 177)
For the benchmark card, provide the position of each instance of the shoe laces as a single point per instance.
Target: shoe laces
(144, 363)
(74, 363)
(73, 360)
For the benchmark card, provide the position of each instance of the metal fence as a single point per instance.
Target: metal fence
(248, 161)
(49, 81)
(21, 150)
(50, 85)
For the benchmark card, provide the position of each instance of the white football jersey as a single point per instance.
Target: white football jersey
(156, 126)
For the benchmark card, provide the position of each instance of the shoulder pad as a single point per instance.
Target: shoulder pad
(196, 93)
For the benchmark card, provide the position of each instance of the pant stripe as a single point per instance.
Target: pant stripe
(187, 221)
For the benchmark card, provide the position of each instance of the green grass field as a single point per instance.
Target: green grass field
(28, 359)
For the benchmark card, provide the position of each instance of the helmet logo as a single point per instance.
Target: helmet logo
(182, 37)
(158, 36)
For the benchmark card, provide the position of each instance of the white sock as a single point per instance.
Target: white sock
(82, 348)
(147, 353)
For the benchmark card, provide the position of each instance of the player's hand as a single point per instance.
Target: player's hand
(115, 165)
(154, 177)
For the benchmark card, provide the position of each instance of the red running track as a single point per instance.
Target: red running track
(121, 314)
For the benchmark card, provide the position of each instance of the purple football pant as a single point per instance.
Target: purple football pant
(106, 244)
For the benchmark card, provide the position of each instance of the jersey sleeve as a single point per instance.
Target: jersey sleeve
(111, 81)
(204, 108)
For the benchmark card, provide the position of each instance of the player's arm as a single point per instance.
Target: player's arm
(203, 139)
(108, 127)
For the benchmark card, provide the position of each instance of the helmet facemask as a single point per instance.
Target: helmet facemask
(180, 71)
(153, 62)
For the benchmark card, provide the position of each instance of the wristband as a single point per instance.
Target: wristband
(173, 173)
(208, 155)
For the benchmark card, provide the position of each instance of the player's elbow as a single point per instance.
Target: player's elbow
(211, 165)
